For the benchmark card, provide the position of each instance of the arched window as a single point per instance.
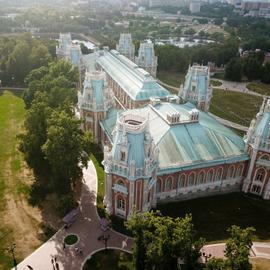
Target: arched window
(121, 203)
(256, 189)
(168, 184)
(191, 179)
(209, 177)
(200, 180)
(158, 186)
(260, 175)
(264, 157)
(219, 174)
(231, 172)
(181, 181)
(239, 171)
(121, 183)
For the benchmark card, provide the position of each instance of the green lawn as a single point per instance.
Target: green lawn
(219, 76)
(240, 108)
(260, 264)
(260, 88)
(215, 83)
(109, 259)
(97, 157)
(171, 78)
(213, 215)
(11, 118)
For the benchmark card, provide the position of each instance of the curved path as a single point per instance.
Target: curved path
(86, 227)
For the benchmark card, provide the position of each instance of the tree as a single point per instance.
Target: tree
(18, 64)
(66, 149)
(238, 248)
(252, 68)
(159, 241)
(58, 81)
(216, 264)
(35, 136)
(39, 56)
(233, 70)
(266, 73)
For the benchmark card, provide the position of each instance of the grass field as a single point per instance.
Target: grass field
(19, 223)
(236, 107)
(109, 259)
(171, 78)
(213, 215)
(260, 88)
(260, 264)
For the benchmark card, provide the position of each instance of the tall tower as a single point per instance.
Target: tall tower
(258, 147)
(197, 88)
(147, 59)
(63, 48)
(94, 102)
(130, 167)
(126, 47)
(70, 52)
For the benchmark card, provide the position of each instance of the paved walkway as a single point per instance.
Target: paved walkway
(86, 227)
(240, 87)
(258, 250)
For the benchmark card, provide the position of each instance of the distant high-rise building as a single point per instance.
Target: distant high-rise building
(155, 3)
(147, 59)
(125, 46)
(195, 7)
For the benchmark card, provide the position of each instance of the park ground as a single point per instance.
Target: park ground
(21, 223)
(212, 216)
(18, 220)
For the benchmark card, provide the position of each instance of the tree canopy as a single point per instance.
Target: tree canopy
(160, 240)
(19, 56)
(53, 144)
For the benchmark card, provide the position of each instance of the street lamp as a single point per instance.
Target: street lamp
(206, 257)
(12, 251)
(105, 239)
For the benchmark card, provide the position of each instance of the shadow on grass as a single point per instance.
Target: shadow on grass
(110, 259)
(212, 216)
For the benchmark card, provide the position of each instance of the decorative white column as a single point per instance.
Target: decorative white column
(108, 193)
(131, 198)
(248, 180)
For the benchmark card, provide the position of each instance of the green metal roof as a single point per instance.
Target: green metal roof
(188, 145)
(136, 82)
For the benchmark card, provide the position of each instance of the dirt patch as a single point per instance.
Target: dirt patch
(22, 219)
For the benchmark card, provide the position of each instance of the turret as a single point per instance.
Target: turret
(258, 147)
(126, 47)
(197, 88)
(62, 50)
(146, 58)
(95, 101)
(132, 162)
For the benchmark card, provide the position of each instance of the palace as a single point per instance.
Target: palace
(160, 147)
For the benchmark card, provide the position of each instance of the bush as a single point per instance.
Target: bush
(65, 204)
